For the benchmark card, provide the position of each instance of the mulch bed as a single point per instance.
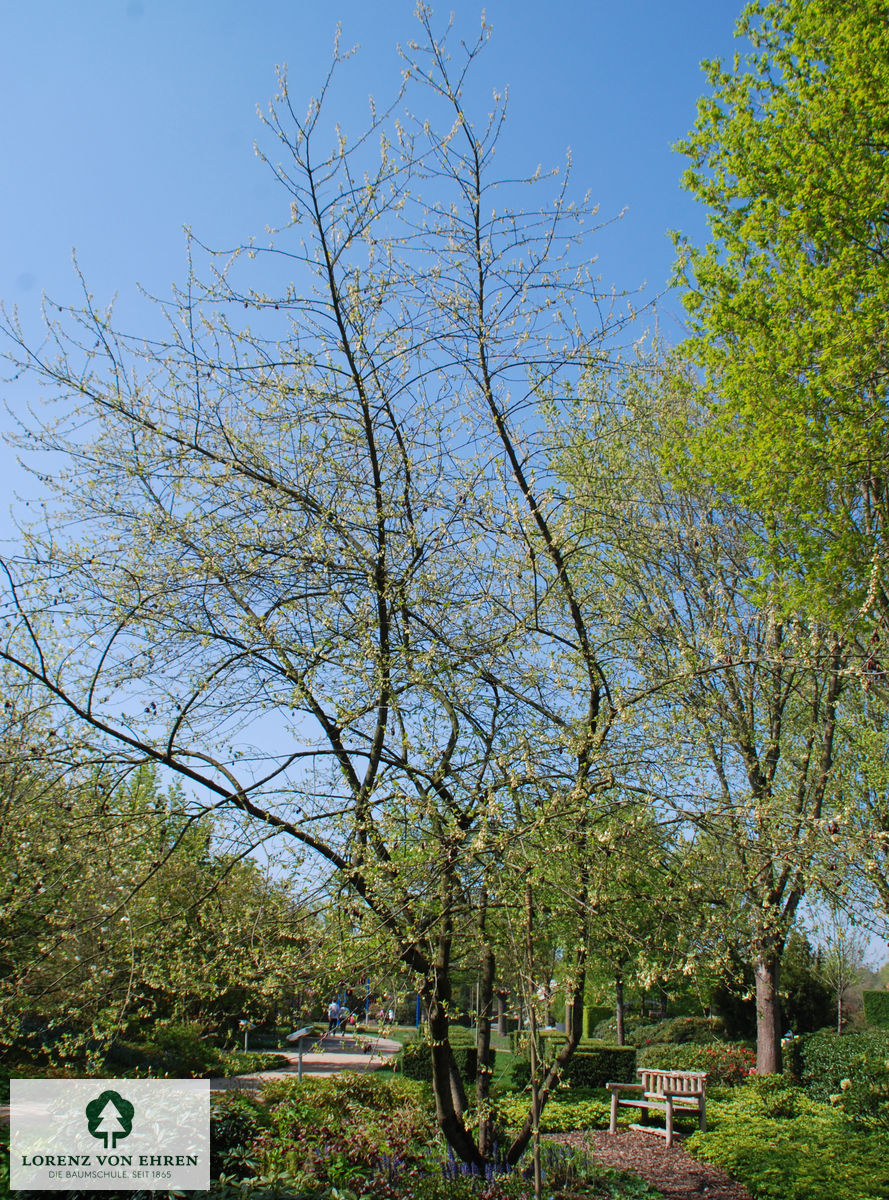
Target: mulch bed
(673, 1172)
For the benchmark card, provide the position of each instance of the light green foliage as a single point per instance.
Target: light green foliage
(117, 913)
(789, 304)
(740, 697)
(784, 1146)
(857, 842)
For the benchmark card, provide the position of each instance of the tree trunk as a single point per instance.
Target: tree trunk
(768, 1014)
(535, 1109)
(483, 1042)
(501, 1013)
(540, 1093)
(619, 1008)
(447, 1086)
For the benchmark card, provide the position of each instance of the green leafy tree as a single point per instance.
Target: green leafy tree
(119, 913)
(743, 696)
(788, 303)
(855, 841)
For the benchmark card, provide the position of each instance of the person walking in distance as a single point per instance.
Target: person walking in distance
(333, 1016)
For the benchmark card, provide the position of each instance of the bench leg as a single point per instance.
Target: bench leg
(612, 1125)
(669, 1121)
(702, 1117)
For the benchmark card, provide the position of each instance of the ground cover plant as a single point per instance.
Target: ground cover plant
(784, 1145)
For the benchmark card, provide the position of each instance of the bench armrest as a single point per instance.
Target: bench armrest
(625, 1087)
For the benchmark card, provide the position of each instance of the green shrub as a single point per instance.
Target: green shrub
(549, 1041)
(235, 1121)
(606, 1030)
(876, 1008)
(591, 1067)
(864, 1098)
(824, 1059)
(174, 1050)
(347, 1092)
(183, 1049)
(812, 1156)
(772, 1096)
(415, 1059)
(248, 1062)
(679, 1031)
(565, 1111)
(330, 1132)
(724, 1062)
(592, 1015)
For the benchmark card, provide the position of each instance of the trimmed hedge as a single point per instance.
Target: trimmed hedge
(876, 1008)
(414, 1060)
(549, 1040)
(590, 1067)
(824, 1059)
(592, 1015)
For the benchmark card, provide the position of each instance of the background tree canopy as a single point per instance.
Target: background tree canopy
(788, 303)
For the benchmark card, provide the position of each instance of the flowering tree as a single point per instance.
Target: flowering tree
(307, 551)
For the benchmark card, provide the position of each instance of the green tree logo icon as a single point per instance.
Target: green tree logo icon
(110, 1116)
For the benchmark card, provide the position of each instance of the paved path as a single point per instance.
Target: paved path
(324, 1056)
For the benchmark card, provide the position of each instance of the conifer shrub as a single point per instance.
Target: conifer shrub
(876, 1008)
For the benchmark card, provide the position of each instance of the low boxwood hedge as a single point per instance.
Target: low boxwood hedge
(591, 1067)
(414, 1060)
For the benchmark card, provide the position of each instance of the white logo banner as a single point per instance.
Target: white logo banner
(109, 1134)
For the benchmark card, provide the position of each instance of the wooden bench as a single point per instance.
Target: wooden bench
(666, 1090)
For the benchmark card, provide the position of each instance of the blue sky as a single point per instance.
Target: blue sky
(127, 119)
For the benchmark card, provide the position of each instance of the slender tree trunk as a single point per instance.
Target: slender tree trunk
(540, 1093)
(619, 1008)
(501, 1013)
(447, 1086)
(535, 1110)
(483, 1039)
(768, 1012)
(535, 1082)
